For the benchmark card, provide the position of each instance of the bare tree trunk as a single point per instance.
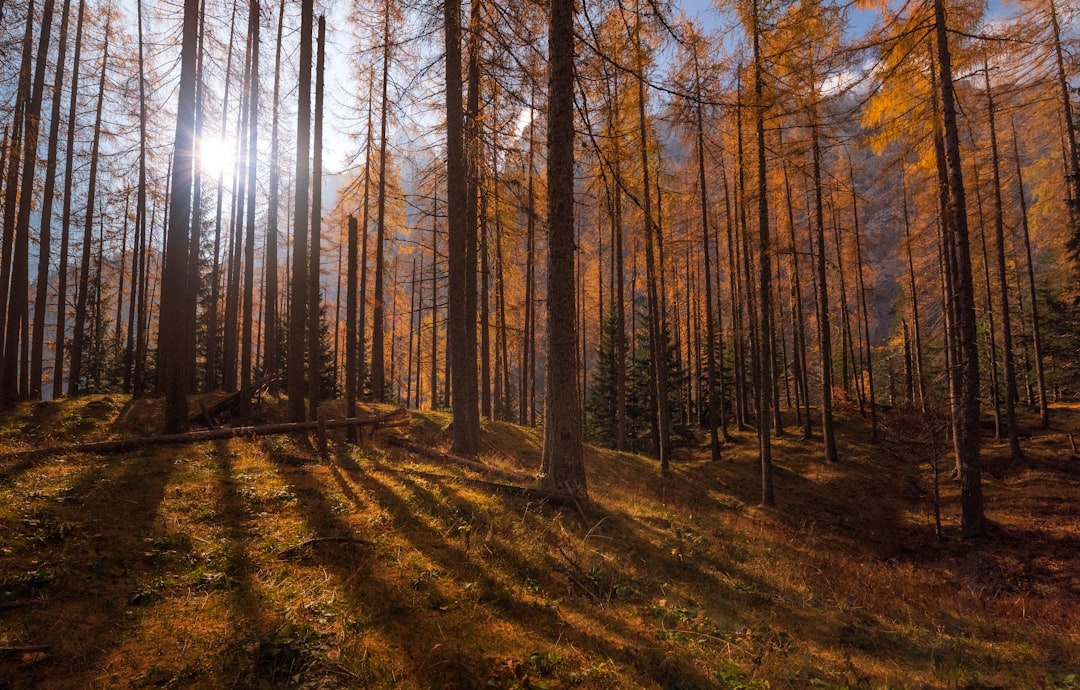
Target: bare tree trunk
(315, 313)
(47, 200)
(271, 354)
(298, 301)
(246, 348)
(378, 360)
(657, 330)
(1036, 331)
(174, 358)
(920, 384)
(967, 428)
(824, 329)
(74, 381)
(562, 466)
(766, 357)
(864, 307)
(461, 250)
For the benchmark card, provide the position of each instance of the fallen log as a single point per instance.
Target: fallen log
(434, 454)
(553, 497)
(396, 418)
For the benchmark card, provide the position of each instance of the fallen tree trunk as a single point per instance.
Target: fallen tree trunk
(391, 419)
(553, 497)
(480, 467)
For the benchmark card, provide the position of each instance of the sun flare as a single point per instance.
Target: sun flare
(216, 156)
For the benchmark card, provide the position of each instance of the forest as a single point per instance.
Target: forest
(643, 343)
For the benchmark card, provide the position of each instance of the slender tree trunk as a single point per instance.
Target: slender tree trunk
(967, 428)
(361, 347)
(767, 356)
(1036, 331)
(315, 313)
(824, 329)
(173, 355)
(298, 301)
(378, 360)
(562, 466)
(74, 381)
(710, 326)
(271, 354)
(657, 330)
(12, 199)
(246, 346)
(48, 198)
(1003, 284)
(461, 250)
(920, 384)
(872, 400)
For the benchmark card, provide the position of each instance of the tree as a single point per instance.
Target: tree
(563, 465)
(173, 353)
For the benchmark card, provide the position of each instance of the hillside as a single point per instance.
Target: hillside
(252, 564)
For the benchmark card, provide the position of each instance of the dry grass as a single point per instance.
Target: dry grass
(250, 564)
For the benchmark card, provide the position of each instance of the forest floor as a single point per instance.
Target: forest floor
(250, 563)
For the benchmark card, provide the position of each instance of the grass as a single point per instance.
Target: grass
(251, 564)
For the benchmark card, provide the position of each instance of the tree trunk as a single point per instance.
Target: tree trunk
(49, 196)
(74, 381)
(174, 357)
(298, 301)
(967, 428)
(315, 314)
(462, 246)
(562, 467)
(1036, 331)
(246, 346)
(271, 354)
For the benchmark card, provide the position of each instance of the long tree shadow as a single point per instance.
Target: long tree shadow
(417, 622)
(97, 558)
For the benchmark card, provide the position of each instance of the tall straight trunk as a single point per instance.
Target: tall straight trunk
(528, 348)
(799, 326)
(118, 321)
(74, 381)
(231, 336)
(710, 326)
(298, 300)
(361, 346)
(1036, 331)
(271, 354)
(44, 244)
(435, 301)
(213, 344)
(174, 358)
(12, 204)
(967, 428)
(412, 333)
(45, 233)
(740, 303)
(657, 332)
(418, 373)
(1072, 177)
(472, 198)
(920, 384)
(562, 466)
(864, 307)
(139, 253)
(767, 355)
(619, 282)
(485, 317)
(195, 240)
(1003, 284)
(824, 329)
(378, 317)
(461, 250)
(350, 325)
(315, 314)
(988, 307)
(246, 323)
(502, 347)
(847, 341)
